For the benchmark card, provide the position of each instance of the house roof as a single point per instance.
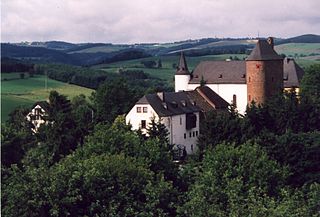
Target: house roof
(176, 103)
(292, 73)
(182, 69)
(43, 104)
(263, 51)
(220, 72)
(233, 72)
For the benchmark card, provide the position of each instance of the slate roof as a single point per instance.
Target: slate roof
(176, 103)
(292, 73)
(263, 51)
(220, 72)
(43, 104)
(182, 69)
(233, 72)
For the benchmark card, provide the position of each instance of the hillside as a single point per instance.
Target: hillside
(88, 54)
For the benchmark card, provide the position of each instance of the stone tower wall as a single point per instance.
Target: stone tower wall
(264, 79)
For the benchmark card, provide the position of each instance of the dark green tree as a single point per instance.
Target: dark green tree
(112, 99)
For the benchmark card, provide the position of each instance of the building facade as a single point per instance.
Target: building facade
(180, 112)
(262, 75)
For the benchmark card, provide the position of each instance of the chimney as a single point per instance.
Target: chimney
(270, 41)
(161, 96)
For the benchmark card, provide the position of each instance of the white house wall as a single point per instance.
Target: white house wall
(134, 118)
(181, 82)
(38, 122)
(176, 126)
(226, 91)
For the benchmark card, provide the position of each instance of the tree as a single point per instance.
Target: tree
(112, 99)
(157, 130)
(22, 75)
(240, 181)
(100, 185)
(310, 84)
(159, 63)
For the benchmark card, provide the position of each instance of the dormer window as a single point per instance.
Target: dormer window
(138, 109)
(165, 105)
(220, 76)
(184, 103)
(145, 109)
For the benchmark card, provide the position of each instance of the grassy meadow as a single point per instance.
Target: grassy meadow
(17, 92)
(167, 71)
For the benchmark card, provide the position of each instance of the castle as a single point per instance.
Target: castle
(214, 85)
(263, 74)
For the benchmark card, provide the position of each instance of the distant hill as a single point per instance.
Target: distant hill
(86, 54)
(308, 38)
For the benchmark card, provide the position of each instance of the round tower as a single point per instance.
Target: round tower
(182, 76)
(264, 72)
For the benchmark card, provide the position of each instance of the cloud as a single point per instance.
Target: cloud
(127, 21)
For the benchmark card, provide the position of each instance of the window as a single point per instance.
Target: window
(138, 109)
(193, 134)
(249, 79)
(185, 136)
(180, 120)
(145, 109)
(190, 134)
(249, 98)
(192, 148)
(196, 133)
(37, 113)
(143, 124)
(272, 78)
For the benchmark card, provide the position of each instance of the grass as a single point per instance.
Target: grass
(167, 71)
(25, 92)
(296, 49)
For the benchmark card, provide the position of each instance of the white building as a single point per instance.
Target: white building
(228, 78)
(180, 112)
(38, 114)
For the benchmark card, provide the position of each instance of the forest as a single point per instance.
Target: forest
(88, 162)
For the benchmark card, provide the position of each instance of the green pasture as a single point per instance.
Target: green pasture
(167, 71)
(24, 92)
(297, 49)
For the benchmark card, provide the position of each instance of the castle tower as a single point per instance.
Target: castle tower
(264, 72)
(182, 75)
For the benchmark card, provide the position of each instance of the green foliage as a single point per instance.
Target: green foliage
(112, 99)
(101, 185)
(310, 84)
(157, 130)
(301, 152)
(243, 181)
(219, 127)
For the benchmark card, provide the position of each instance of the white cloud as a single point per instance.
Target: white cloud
(123, 21)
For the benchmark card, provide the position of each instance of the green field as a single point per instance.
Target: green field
(298, 49)
(24, 92)
(167, 71)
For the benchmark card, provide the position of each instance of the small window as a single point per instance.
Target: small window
(190, 134)
(185, 135)
(249, 79)
(192, 148)
(196, 133)
(180, 120)
(145, 109)
(143, 124)
(249, 98)
(193, 134)
(37, 113)
(138, 109)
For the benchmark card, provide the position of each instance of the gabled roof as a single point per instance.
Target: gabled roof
(183, 67)
(220, 72)
(43, 104)
(292, 73)
(176, 103)
(263, 51)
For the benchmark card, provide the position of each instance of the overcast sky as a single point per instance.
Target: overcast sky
(135, 21)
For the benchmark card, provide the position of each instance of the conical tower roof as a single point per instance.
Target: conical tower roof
(182, 68)
(263, 51)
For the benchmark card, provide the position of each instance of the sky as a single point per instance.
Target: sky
(146, 21)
